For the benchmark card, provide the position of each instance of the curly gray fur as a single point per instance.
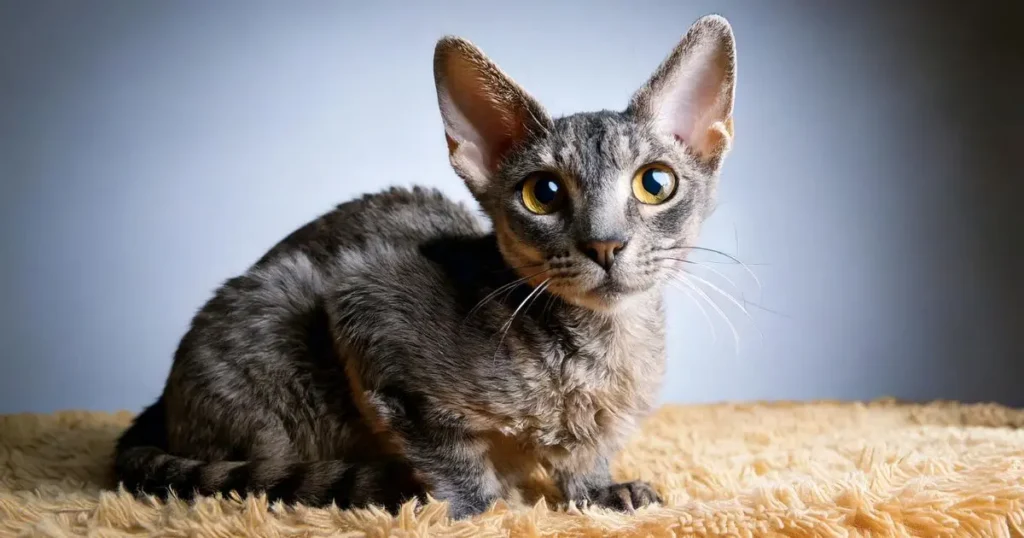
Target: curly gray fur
(394, 346)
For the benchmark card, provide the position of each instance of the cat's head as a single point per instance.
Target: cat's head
(596, 207)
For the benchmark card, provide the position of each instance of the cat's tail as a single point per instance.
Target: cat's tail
(143, 465)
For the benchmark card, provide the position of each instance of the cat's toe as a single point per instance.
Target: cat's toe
(464, 508)
(627, 496)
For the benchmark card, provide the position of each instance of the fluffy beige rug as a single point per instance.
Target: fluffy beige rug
(818, 469)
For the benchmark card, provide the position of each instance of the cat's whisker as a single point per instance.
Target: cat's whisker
(504, 287)
(508, 325)
(734, 259)
(540, 288)
(703, 311)
(509, 292)
(727, 262)
(547, 306)
(544, 287)
(679, 285)
(720, 274)
(746, 302)
(766, 309)
(727, 296)
(732, 327)
(717, 262)
(701, 265)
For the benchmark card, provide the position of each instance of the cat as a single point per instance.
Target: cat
(395, 347)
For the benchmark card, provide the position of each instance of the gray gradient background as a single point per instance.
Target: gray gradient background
(149, 150)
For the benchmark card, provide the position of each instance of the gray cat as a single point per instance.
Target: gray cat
(393, 347)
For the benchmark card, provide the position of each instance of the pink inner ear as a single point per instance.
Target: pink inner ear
(693, 101)
(487, 120)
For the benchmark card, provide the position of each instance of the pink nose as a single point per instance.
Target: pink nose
(602, 252)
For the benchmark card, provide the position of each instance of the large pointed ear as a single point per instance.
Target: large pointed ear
(485, 113)
(690, 96)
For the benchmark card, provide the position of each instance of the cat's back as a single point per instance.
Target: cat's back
(398, 217)
(269, 327)
(286, 290)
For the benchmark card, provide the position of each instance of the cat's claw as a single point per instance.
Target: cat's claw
(627, 496)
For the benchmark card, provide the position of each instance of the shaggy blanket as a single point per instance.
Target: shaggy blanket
(782, 469)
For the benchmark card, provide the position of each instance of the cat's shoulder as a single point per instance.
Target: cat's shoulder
(417, 214)
(397, 217)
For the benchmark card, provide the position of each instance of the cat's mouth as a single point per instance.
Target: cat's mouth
(604, 294)
(612, 288)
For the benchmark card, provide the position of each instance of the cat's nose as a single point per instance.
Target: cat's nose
(602, 252)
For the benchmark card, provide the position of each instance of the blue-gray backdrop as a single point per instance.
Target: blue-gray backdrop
(149, 150)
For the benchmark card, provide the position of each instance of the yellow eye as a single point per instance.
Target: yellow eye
(543, 193)
(654, 183)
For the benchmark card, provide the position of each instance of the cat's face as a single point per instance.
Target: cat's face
(594, 207)
(598, 207)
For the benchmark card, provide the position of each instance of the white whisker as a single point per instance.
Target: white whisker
(504, 287)
(720, 274)
(746, 302)
(543, 286)
(508, 324)
(703, 311)
(728, 297)
(720, 291)
(734, 259)
(735, 334)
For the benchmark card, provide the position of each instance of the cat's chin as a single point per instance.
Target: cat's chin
(609, 297)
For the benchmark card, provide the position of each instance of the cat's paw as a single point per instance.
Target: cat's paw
(467, 507)
(626, 496)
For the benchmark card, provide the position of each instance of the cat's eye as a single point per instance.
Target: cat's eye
(654, 184)
(542, 193)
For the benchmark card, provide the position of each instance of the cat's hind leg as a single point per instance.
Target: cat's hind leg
(145, 465)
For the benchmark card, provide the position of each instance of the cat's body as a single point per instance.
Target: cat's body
(394, 347)
(397, 273)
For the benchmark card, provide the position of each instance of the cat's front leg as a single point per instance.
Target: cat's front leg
(594, 485)
(445, 455)
(454, 467)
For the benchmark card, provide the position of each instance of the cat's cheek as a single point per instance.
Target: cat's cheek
(517, 253)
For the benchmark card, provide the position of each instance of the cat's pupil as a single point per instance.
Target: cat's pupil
(545, 191)
(655, 181)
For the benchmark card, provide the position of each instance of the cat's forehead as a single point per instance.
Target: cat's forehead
(592, 145)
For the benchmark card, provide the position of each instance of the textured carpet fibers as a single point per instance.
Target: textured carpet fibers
(818, 469)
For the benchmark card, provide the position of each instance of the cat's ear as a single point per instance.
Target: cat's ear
(690, 96)
(486, 114)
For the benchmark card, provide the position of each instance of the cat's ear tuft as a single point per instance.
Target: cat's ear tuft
(690, 96)
(485, 113)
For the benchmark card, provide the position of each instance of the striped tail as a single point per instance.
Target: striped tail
(143, 465)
